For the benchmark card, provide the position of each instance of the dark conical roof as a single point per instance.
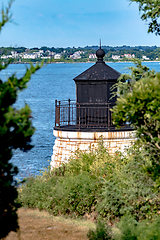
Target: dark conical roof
(99, 71)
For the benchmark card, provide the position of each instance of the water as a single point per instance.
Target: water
(54, 81)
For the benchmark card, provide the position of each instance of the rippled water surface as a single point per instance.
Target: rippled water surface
(54, 81)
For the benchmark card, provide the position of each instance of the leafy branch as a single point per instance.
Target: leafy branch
(138, 103)
(6, 16)
(151, 12)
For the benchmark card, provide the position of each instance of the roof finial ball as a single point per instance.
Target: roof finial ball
(100, 53)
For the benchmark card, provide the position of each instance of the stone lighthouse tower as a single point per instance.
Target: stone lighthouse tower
(79, 124)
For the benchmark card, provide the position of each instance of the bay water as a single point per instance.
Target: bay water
(53, 81)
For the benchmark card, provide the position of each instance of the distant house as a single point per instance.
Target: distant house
(14, 54)
(52, 53)
(145, 58)
(47, 57)
(57, 56)
(116, 57)
(92, 55)
(76, 55)
(6, 56)
(29, 56)
(128, 55)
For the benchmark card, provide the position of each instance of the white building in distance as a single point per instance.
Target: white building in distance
(128, 55)
(76, 55)
(145, 58)
(116, 57)
(57, 56)
(92, 56)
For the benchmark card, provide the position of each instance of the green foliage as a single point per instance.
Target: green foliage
(80, 162)
(102, 232)
(130, 229)
(97, 163)
(6, 16)
(15, 132)
(150, 11)
(127, 229)
(128, 189)
(37, 193)
(112, 186)
(138, 103)
(77, 186)
(77, 189)
(74, 195)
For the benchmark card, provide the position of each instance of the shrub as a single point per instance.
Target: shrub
(79, 163)
(75, 195)
(130, 229)
(127, 229)
(129, 189)
(36, 193)
(97, 163)
(113, 186)
(138, 103)
(102, 232)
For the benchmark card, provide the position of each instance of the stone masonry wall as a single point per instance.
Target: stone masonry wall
(68, 142)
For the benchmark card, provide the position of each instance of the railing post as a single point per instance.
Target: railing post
(79, 115)
(108, 117)
(69, 103)
(59, 112)
(55, 112)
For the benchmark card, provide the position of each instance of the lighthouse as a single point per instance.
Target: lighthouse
(79, 124)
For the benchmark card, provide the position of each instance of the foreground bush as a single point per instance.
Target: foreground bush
(129, 189)
(74, 195)
(131, 229)
(111, 186)
(138, 101)
(102, 232)
(127, 229)
(73, 188)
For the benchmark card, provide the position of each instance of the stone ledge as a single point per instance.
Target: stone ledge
(93, 135)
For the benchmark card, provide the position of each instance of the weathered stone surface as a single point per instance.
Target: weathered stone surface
(67, 143)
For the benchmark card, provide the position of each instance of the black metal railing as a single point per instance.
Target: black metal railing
(83, 115)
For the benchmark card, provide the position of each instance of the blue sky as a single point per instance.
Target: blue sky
(68, 23)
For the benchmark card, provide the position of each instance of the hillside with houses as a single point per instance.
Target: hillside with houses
(123, 53)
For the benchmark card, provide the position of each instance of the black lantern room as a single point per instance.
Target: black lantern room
(92, 108)
(94, 85)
